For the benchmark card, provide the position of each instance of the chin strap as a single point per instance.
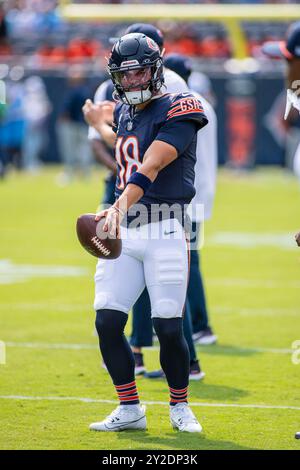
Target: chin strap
(138, 97)
(292, 101)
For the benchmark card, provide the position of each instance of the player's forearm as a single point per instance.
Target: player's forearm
(158, 156)
(107, 133)
(102, 155)
(151, 168)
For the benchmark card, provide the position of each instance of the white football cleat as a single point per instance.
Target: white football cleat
(123, 417)
(205, 337)
(183, 419)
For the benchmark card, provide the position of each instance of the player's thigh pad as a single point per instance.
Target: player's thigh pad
(118, 283)
(166, 274)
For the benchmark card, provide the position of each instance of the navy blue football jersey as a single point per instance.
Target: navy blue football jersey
(171, 118)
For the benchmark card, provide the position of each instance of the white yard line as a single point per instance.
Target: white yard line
(217, 309)
(82, 346)
(46, 305)
(95, 400)
(246, 240)
(12, 273)
(72, 346)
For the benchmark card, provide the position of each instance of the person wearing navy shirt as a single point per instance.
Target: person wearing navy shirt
(155, 143)
(72, 129)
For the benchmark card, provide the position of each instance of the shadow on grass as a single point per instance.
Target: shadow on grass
(215, 392)
(226, 350)
(197, 390)
(177, 441)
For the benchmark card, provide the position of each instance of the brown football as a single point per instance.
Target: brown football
(94, 240)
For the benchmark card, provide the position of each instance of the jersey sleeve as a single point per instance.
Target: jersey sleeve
(184, 118)
(187, 107)
(179, 134)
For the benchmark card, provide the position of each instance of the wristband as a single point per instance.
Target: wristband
(140, 180)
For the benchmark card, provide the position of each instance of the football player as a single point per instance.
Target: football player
(155, 149)
(141, 312)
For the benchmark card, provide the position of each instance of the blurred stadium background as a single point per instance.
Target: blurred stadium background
(48, 49)
(48, 40)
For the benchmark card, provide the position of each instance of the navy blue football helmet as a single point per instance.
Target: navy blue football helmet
(136, 68)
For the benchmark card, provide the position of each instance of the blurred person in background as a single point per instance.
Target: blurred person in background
(29, 17)
(205, 184)
(290, 51)
(2, 154)
(12, 124)
(72, 130)
(3, 26)
(37, 108)
(201, 84)
(4, 43)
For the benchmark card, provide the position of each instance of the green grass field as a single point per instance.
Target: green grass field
(250, 397)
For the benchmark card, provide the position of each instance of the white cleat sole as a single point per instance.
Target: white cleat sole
(206, 341)
(138, 425)
(190, 428)
(139, 370)
(199, 376)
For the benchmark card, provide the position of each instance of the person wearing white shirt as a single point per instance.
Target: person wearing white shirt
(205, 184)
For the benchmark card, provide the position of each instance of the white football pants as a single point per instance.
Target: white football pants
(154, 255)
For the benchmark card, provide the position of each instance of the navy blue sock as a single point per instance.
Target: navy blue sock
(174, 356)
(117, 353)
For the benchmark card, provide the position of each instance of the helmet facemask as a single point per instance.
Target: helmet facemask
(137, 85)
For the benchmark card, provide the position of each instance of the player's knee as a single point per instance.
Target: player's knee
(166, 308)
(109, 301)
(110, 323)
(168, 330)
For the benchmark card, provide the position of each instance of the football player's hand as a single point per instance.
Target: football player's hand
(297, 238)
(98, 113)
(92, 113)
(113, 217)
(107, 109)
